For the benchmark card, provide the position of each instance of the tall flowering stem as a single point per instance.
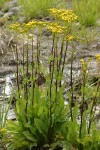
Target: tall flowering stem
(65, 53)
(60, 60)
(64, 58)
(33, 81)
(26, 83)
(38, 59)
(17, 67)
(51, 70)
(95, 97)
(84, 73)
(61, 52)
(93, 104)
(71, 83)
(23, 55)
(57, 64)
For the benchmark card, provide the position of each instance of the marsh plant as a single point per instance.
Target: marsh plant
(43, 121)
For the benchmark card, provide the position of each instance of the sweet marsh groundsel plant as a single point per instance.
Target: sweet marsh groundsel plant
(43, 121)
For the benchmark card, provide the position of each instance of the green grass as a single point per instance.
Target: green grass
(38, 8)
(87, 10)
(2, 2)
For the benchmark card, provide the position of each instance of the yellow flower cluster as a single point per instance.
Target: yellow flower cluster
(56, 28)
(3, 130)
(82, 61)
(30, 24)
(97, 57)
(35, 23)
(70, 37)
(41, 23)
(25, 27)
(84, 65)
(63, 14)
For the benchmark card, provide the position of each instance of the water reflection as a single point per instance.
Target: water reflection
(7, 86)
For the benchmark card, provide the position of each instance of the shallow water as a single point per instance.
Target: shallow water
(7, 86)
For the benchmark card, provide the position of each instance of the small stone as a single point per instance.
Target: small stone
(98, 22)
(8, 15)
(47, 33)
(2, 22)
(9, 5)
(1, 14)
(2, 80)
(1, 99)
(15, 10)
(11, 115)
(12, 62)
(21, 19)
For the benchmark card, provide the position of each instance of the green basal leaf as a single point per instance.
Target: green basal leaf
(75, 111)
(96, 135)
(72, 134)
(69, 96)
(41, 126)
(90, 107)
(29, 136)
(86, 140)
(84, 125)
(40, 111)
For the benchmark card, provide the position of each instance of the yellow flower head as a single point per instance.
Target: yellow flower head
(32, 24)
(63, 14)
(15, 26)
(56, 28)
(97, 57)
(84, 65)
(82, 61)
(71, 37)
(21, 30)
(3, 130)
(41, 23)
